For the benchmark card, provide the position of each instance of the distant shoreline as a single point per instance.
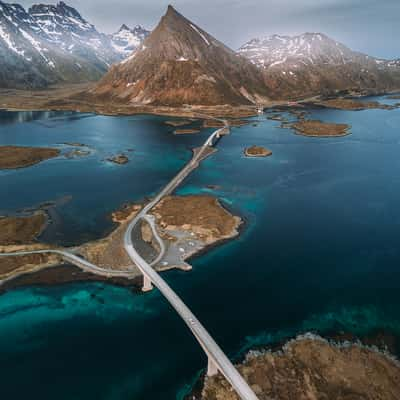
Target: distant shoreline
(66, 98)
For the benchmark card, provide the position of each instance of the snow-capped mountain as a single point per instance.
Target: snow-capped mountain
(305, 49)
(394, 63)
(53, 43)
(65, 27)
(24, 56)
(127, 40)
(314, 63)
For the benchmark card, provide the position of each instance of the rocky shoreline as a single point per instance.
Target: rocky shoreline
(71, 98)
(257, 151)
(354, 104)
(312, 368)
(320, 129)
(13, 157)
(187, 131)
(192, 223)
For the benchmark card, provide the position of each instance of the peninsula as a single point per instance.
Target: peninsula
(12, 157)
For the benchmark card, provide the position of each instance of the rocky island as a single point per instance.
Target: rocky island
(353, 104)
(311, 368)
(187, 224)
(257, 151)
(185, 131)
(12, 157)
(177, 123)
(320, 129)
(119, 159)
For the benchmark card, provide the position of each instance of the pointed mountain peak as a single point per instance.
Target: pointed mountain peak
(171, 10)
(124, 28)
(172, 15)
(180, 63)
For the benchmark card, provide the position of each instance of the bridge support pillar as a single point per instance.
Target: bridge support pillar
(212, 369)
(147, 285)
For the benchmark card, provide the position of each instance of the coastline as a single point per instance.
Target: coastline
(312, 365)
(100, 251)
(66, 98)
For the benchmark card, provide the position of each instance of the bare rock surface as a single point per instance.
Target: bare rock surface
(311, 368)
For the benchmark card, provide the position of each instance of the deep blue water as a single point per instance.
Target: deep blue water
(319, 250)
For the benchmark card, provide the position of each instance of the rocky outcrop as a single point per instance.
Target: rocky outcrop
(119, 159)
(311, 368)
(257, 151)
(320, 129)
(12, 157)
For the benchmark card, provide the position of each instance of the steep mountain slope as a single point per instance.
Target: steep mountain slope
(64, 27)
(49, 44)
(179, 64)
(313, 63)
(26, 60)
(127, 40)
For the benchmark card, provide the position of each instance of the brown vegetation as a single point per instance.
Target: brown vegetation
(61, 274)
(202, 215)
(185, 131)
(353, 105)
(19, 157)
(119, 159)
(320, 129)
(176, 123)
(257, 151)
(21, 230)
(311, 369)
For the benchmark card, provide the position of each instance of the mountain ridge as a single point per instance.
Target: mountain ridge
(126, 40)
(313, 63)
(50, 44)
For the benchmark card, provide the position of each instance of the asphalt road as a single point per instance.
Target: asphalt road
(217, 359)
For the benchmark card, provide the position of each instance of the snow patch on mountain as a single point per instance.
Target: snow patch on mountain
(201, 34)
(308, 48)
(127, 40)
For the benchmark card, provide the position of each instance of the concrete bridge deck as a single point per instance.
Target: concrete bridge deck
(217, 360)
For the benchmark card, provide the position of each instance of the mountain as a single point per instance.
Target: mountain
(313, 63)
(64, 27)
(127, 40)
(52, 43)
(25, 59)
(179, 63)
(394, 63)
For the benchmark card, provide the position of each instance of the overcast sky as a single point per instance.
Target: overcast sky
(371, 26)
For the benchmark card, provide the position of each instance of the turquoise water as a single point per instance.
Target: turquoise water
(319, 251)
(93, 186)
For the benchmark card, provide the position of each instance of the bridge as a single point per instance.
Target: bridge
(217, 360)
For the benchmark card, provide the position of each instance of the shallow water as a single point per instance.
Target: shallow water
(319, 251)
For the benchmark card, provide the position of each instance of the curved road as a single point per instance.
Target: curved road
(217, 360)
(76, 260)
